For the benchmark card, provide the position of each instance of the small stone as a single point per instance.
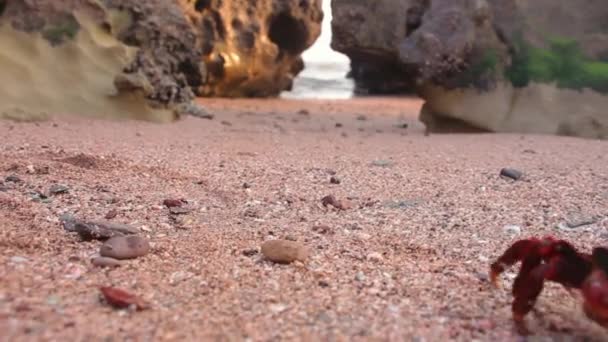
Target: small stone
(68, 221)
(111, 214)
(382, 163)
(303, 112)
(101, 230)
(13, 179)
(360, 277)
(226, 123)
(278, 308)
(403, 126)
(338, 204)
(284, 251)
(375, 257)
(30, 169)
(250, 252)
(179, 276)
(125, 247)
(511, 173)
(321, 229)
(195, 110)
(246, 185)
(323, 283)
(105, 262)
(512, 229)
(172, 203)
(361, 117)
(579, 220)
(56, 189)
(18, 259)
(338, 125)
(334, 180)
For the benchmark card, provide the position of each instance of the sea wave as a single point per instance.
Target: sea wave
(322, 80)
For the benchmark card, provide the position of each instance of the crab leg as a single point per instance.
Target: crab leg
(525, 251)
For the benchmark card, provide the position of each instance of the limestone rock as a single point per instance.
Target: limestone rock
(146, 59)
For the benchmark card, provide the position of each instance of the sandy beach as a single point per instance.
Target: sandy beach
(407, 260)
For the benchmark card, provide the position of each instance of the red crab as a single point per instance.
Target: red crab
(558, 261)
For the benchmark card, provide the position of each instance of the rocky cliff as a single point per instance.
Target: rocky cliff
(147, 59)
(534, 66)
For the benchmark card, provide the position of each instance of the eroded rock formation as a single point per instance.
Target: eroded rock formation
(253, 48)
(147, 59)
(368, 32)
(496, 65)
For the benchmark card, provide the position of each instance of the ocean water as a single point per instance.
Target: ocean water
(322, 80)
(324, 74)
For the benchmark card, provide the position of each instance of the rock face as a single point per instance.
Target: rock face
(147, 59)
(253, 48)
(488, 65)
(368, 32)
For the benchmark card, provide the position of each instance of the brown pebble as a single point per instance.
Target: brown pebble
(334, 180)
(338, 204)
(125, 247)
(284, 251)
(111, 214)
(172, 203)
(106, 262)
(321, 229)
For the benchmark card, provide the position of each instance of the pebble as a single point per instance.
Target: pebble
(382, 163)
(513, 174)
(250, 252)
(101, 230)
(321, 229)
(125, 247)
(105, 262)
(179, 276)
(284, 251)
(18, 259)
(335, 180)
(13, 179)
(361, 117)
(111, 214)
(171, 203)
(512, 229)
(375, 257)
(579, 220)
(338, 204)
(56, 189)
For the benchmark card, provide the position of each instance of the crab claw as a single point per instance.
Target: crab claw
(495, 271)
(526, 251)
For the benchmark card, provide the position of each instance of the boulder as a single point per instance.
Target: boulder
(502, 65)
(146, 59)
(368, 32)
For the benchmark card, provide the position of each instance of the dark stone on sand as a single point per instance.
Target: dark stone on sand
(513, 174)
(56, 189)
(101, 230)
(13, 179)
